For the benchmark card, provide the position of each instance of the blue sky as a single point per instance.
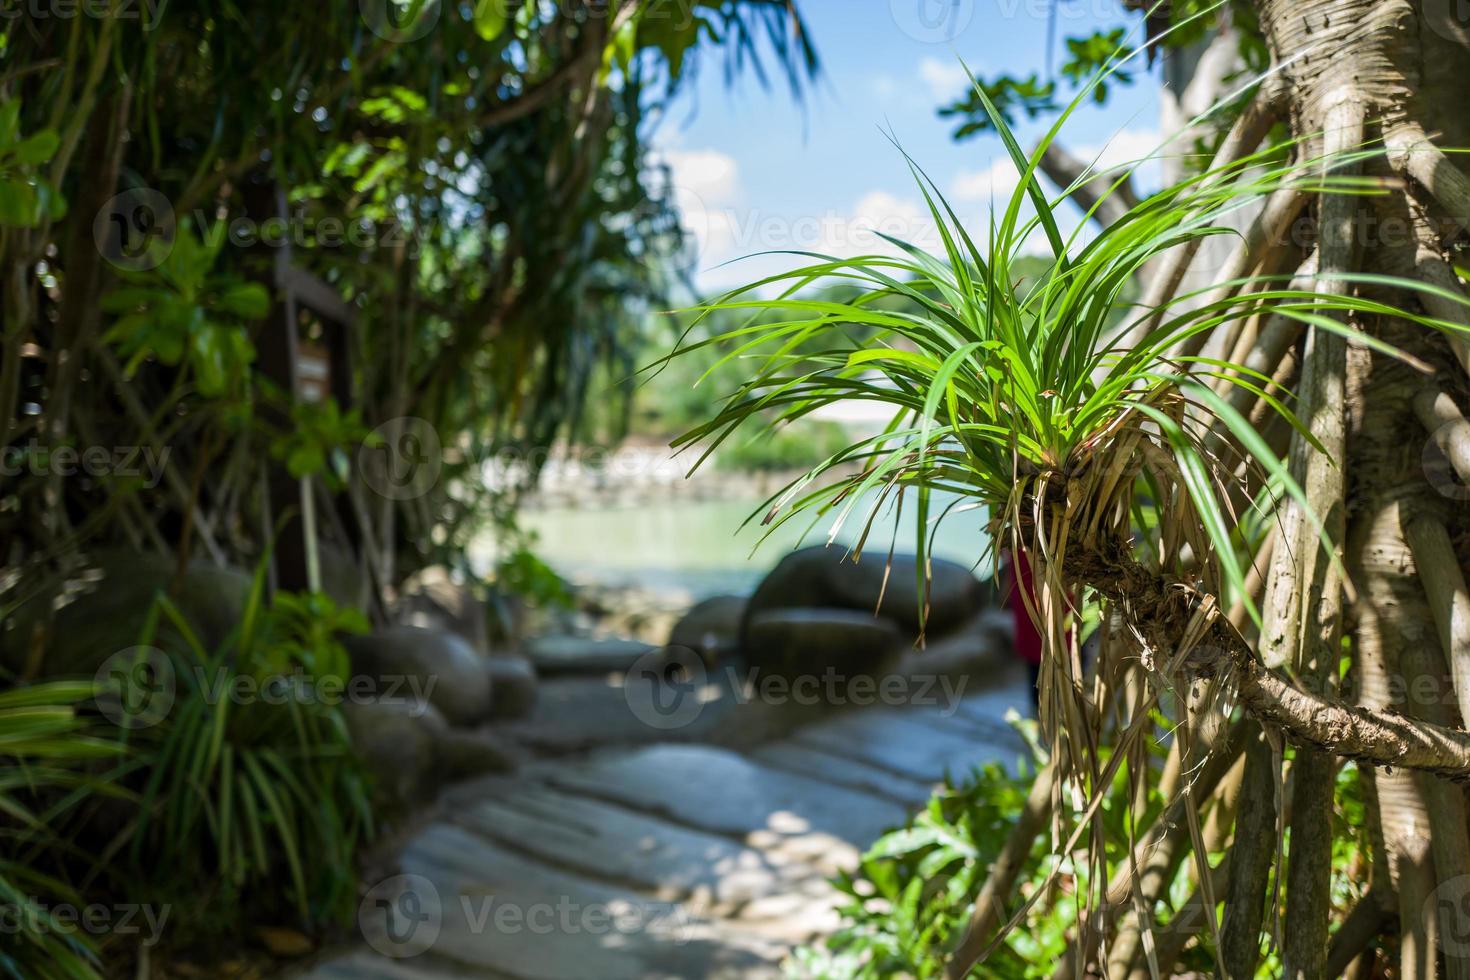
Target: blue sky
(756, 170)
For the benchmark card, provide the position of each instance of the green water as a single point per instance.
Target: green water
(700, 547)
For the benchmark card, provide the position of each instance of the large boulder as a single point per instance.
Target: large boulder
(410, 750)
(568, 653)
(822, 577)
(711, 628)
(438, 665)
(398, 742)
(464, 754)
(431, 599)
(512, 685)
(102, 609)
(812, 641)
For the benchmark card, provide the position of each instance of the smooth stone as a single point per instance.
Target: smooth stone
(721, 792)
(512, 915)
(442, 665)
(567, 654)
(795, 642)
(465, 754)
(823, 576)
(954, 594)
(813, 763)
(367, 965)
(711, 872)
(102, 611)
(399, 743)
(513, 686)
(904, 742)
(978, 647)
(711, 628)
(431, 599)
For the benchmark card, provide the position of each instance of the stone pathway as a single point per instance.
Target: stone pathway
(671, 860)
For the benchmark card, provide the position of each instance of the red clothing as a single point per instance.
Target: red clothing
(1028, 637)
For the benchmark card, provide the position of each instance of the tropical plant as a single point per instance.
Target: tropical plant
(911, 897)
(46, 746)
(250, 780)
(472, 184)
(1126, 465)
(185, 312)
(26, 199)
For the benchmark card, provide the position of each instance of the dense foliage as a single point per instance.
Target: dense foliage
(454, 208)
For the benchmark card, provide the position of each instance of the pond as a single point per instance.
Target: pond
(700, 547)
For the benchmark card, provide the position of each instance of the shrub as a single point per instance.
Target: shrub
(45, 744)
(239, 794)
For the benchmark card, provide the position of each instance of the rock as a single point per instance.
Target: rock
(398, 741)
(567, 654)
(954, 594)
(603, 840)
(463, 754)
(820, 576)
(910, 741)
(102, 610)
(976, 648)
(721, 792)
(803, 760)
(809, 642)
(488, 909)
(512, 686)
(711, 628)
(431, 599)
(440, 666)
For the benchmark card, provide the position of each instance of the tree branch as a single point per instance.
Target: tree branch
(1093, 190)
(1161, 610)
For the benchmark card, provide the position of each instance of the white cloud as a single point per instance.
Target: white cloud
(946, 80)
(744, 233)
(1128, 147)
(712, 174)
(705, 188)
(995, 182)
(878, 213)
(885, 86)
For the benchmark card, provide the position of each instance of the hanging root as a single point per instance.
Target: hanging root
(1161, 611)
(1412, 153)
